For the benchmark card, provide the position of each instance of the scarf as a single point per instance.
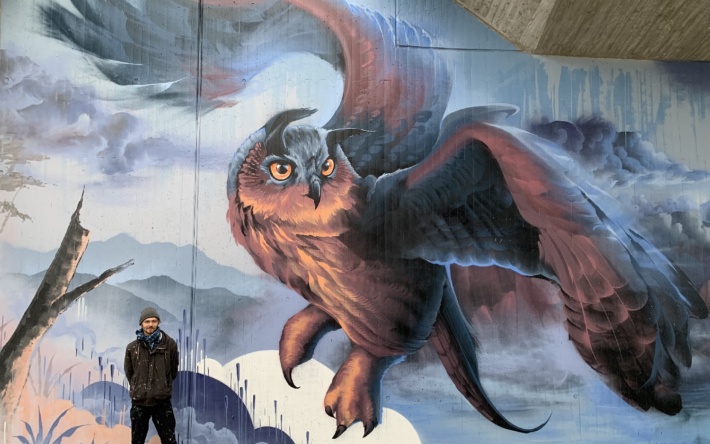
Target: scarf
(150, 340)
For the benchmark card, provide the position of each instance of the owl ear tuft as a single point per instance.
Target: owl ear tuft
(338, 136)
(276, 125)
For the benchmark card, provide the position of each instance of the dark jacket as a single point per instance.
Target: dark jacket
(151, 373)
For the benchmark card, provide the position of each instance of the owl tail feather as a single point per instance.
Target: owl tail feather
(453, 339)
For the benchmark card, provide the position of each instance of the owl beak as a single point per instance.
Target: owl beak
(314, 191)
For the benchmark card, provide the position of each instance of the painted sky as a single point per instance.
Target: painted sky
(132, 156)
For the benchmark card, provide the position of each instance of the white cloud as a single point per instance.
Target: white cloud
(301, 409)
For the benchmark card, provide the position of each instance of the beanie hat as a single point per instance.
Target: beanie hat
(148, 312)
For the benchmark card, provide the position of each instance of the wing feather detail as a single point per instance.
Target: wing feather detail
(627, 305)
(619, 291)
(454, 342)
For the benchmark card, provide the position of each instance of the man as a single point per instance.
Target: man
(151, 365)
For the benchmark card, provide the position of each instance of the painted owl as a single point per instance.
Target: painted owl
(373, 256)
(378, 229)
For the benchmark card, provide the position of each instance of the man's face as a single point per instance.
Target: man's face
(149, 325)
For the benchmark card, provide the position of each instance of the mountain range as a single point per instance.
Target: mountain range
(228, 311)
(152, 259)
(228, 324)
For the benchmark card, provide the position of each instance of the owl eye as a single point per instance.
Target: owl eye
(280, 170)
(328, 167)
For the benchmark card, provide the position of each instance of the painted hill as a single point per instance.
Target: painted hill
(227, 324)
(154, 259)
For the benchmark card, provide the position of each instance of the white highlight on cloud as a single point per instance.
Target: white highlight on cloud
(301, 409)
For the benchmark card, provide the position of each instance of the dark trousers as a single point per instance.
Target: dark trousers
(163, 419)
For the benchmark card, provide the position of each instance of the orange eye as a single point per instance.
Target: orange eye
(280, 170)
(328, 167)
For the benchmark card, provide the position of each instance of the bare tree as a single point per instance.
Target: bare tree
(50, 300)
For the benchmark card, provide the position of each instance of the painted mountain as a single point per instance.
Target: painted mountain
(153, 259)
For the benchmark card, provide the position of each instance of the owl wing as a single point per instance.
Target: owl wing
(489, 195)
(179, 51)
(396, 86)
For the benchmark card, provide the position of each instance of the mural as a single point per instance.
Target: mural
(429, 236)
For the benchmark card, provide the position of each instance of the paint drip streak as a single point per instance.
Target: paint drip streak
(196, 191)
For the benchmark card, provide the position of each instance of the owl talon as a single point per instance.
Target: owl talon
(354, 394)
(288, 378)
(300, 337)
(339, 431)
(369, 427)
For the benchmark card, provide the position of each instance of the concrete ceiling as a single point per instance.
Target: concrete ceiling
(626, 29)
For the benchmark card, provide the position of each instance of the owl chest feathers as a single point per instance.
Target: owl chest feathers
(386, 306)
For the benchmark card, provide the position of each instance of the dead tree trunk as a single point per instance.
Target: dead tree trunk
(50, 300)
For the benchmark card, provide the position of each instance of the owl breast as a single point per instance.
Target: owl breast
(385, 305)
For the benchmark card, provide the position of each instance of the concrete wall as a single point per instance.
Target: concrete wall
(127, 115)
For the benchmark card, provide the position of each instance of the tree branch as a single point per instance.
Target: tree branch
(63, 302)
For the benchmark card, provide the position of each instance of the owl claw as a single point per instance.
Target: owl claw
(299, 338)
(339, 431)
(288, 378)
(369, 427)
(354, 394)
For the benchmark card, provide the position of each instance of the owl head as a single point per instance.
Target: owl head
(284, 170)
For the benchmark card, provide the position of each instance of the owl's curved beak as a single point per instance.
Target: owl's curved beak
(314, 190)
